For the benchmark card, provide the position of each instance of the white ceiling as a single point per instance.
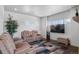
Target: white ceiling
(38, 10)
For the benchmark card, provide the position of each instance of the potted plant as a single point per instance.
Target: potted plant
(11, 26)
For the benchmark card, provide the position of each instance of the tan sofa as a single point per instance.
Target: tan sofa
(8, 46)
(30, 36)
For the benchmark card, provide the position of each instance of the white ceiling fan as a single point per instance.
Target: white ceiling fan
(76, 18)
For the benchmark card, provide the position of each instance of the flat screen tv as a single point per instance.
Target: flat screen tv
(57, 26)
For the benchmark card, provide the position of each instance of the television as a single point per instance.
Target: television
(57, 26)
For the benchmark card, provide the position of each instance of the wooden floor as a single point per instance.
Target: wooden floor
(72, 49)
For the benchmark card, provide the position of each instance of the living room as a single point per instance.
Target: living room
(39, 18)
